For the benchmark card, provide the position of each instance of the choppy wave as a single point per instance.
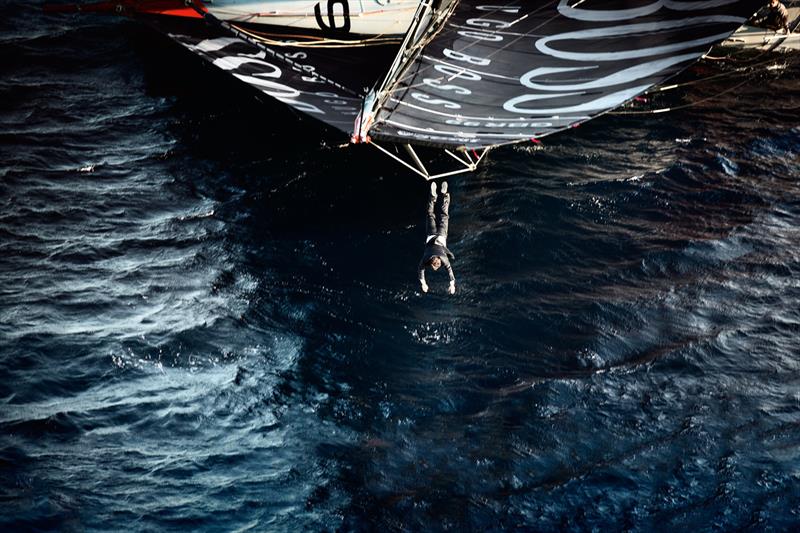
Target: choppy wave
(205, 327)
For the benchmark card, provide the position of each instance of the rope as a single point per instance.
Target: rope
(684, 106)
(714, 77)
(749, 79)
(316, 42)
(209, 18)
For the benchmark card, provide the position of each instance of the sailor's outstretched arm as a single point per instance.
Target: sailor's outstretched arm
(452, 288)
(422, 283)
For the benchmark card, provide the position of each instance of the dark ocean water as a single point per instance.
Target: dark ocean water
(209, 318)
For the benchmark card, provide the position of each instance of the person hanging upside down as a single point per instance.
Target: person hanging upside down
(436, 253)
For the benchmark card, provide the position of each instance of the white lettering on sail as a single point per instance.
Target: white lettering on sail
(511, 10)
(550, 46)
(607, 101)
(479, 124)
(234, 62)
(255, 70)
(606, 15)
(428, 99)
(212, 45)
(458, 122)
(487, 23)
(272, 88)
(626, 75)
(436, 84)
(526, 124)
(279, 91)
(454, 72)
(543, 44)
(460, 56)
(481, 36)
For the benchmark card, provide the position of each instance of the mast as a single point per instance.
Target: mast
(429, 17)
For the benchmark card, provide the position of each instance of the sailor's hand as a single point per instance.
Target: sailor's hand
(452, 288)
(424, 286)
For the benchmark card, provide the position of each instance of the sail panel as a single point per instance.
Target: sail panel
(327, 84)
(508, 71)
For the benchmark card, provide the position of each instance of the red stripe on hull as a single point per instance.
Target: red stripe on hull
(170, 8)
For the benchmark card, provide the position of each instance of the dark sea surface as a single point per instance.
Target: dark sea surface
(209, 316)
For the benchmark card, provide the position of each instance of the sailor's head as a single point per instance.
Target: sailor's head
(435, 262)
(774, 3)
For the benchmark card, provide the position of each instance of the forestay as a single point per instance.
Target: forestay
(508, 71)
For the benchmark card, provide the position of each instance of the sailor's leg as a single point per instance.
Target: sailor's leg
(444, 216)
(430, 218)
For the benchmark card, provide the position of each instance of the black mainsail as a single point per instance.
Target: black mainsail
(328, 84)
(508, 71)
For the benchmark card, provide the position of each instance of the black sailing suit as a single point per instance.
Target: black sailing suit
(436, 241)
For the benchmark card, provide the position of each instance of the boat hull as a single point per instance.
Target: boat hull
(334, 17)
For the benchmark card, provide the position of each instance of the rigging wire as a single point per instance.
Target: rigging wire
(747, 80)
(197, 6)
(315, 41)
(729, 74)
